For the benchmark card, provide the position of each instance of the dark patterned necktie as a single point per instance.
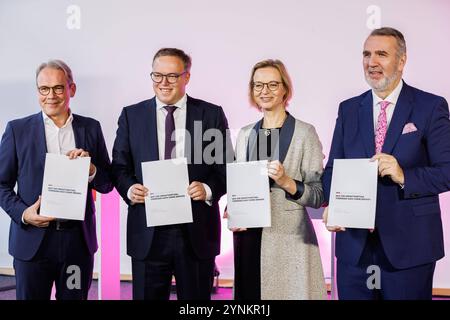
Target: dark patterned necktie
(170, 128)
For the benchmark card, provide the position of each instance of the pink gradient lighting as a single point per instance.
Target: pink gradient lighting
(109, 275)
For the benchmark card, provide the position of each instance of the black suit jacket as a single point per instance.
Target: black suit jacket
(137, 142)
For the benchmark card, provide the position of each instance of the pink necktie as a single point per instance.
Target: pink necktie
(380, 132)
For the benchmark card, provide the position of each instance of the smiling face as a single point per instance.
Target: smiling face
(268, 99)
(383, 64)
(170, 93)
(55, 105)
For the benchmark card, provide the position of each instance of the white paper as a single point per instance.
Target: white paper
(168, 201)
(353, 195)
(248, 195)
(64, 188)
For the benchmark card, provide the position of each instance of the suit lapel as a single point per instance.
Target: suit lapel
(401, 114)
(286, 134)
(39, 134)
(150, 132)
(79, 133)
(194, 133)
(281, 148)
(252, 150)
(365, 118)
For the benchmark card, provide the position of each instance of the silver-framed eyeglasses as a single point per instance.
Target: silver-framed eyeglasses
(158, 77)
(272, 85)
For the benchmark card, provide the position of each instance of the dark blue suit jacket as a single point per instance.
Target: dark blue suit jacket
(137, 141)
(408, 220)
(22, 160)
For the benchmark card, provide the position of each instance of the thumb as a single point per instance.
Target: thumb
(37, 204)
(325, 215)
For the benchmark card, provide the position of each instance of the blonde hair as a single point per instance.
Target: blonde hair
(285, 79)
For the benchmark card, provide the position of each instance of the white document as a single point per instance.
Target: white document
(248, 195)
(168, 201)
(353, 195)
(65, 185)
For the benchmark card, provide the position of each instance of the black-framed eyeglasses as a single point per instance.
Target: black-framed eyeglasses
(272, 85)
(171, 77)
(44, 90)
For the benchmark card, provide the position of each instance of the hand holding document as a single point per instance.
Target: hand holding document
(353, 194)
(248, 195)
(64, 188)
(168, 202)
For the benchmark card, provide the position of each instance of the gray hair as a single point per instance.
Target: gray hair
(391, 32)
(58, 65)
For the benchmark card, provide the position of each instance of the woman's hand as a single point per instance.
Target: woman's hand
(225, 216)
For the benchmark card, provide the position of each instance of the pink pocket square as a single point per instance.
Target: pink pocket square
(409, 127)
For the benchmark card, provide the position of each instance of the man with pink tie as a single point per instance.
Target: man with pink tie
(408, 131)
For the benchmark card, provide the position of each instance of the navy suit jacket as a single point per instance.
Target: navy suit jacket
(137, 141)
(22, 160)
(408, 220)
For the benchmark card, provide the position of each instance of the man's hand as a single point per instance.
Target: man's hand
(225, 216)
(73, 154)
(31, 216)
(197, 191)
(388, 166)
(330, 228)
(138, 193)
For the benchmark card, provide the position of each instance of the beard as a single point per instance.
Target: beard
(384, 83)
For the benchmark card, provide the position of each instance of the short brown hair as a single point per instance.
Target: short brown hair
(391, 32)
(174, 52)
(285, 79)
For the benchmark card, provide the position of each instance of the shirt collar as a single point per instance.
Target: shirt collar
(47, 119)
(180, 103)
(392, 97)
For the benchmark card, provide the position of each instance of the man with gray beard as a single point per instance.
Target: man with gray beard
(408, 131)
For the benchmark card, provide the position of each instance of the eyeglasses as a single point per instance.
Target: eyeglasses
(46, 90)
(272, 85)
(171, 77)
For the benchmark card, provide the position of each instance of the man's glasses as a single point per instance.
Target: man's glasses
(46, 90)
(272, 85)
(171, 77)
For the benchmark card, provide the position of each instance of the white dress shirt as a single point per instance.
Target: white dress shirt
(392, 98)
(60, 140)
(179, 117)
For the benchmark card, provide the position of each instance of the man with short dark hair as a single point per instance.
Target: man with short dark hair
(47, 250)
(186, 251)
(408, 131)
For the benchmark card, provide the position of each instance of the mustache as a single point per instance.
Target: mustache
(374, 70)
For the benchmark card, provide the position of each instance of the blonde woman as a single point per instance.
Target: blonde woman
(282, 261)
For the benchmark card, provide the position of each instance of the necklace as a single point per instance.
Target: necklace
(268, 131)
